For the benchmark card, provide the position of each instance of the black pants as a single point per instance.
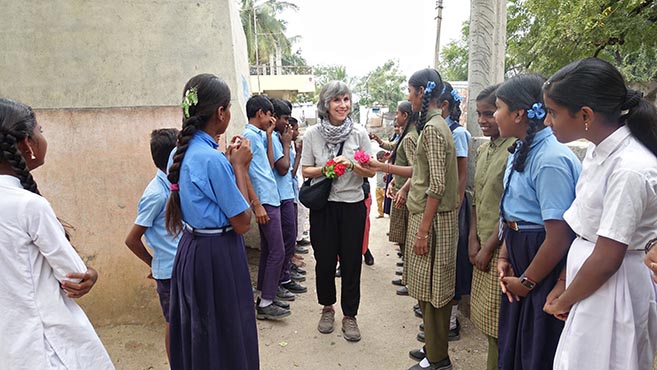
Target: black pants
(336, 231)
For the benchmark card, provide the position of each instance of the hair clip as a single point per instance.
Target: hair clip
(190, 100)
(430, 86)
(537, 111)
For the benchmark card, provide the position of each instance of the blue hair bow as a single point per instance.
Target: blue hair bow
(430, 86)
(456, 96)
(537, 111)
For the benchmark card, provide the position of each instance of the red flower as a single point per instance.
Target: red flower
(340, 169)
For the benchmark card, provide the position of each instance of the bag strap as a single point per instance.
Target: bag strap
(341, 147)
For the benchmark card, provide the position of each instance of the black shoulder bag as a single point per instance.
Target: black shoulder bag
(315, 196)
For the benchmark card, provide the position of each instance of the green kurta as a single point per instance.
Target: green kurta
(431, 278)
(488, 189)
(405, 157)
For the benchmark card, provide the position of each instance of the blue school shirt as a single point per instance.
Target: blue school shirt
(209, 196)
(151, 214)
(283, 183)
(546, 188)
(293, 177)
(461, 139)
(260, 171)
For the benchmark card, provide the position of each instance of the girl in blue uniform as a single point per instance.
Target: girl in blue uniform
(539, 187)
(212, 318)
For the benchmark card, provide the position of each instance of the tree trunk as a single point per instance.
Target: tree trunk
(487, 50)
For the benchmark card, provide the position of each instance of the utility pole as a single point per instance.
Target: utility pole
(255, 32)
(439, 20)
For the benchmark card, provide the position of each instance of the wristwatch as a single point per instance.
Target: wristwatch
(527, 282)
(649, 245)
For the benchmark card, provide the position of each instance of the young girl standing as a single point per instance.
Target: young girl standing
(433, 202)
(607, 295)
(484, 244)
(212, 318)
(41, 326)
(539, 186)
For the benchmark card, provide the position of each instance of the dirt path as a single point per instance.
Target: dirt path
(386, 320)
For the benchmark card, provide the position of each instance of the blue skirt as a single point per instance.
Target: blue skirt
(212, 314)
(528, 336)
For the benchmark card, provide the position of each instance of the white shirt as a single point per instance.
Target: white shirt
(41, 327)
(616, 195)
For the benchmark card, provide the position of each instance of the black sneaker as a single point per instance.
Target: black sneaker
(297, 276)
(417, 354)
(280, 304)
(284, 294)
(418, 312)
(402, 291)
(445, 364)
(422, 327)
(301, 250)
(294, 287)
(298, 269)
(420, 337)
(400, 264)
(398, 282)
(303, 242)
(454, 334)
(271, 312)
(399, 272)
(369, 258)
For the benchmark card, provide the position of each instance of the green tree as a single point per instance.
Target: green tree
(454, 57)
(270, 27)
(545, 35)
(384, 85)
(326, 73)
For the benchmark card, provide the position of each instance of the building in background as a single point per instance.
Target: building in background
(101, 76)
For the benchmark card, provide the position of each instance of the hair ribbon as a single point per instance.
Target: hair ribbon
(430, 86)
(536, 111)
(456, 96)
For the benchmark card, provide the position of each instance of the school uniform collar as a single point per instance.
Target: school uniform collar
(252, 127)
(501, 141)
(609, 145)
(10, 181)
(206, 138)
(162, 178)
(541, 136)
(433, 113)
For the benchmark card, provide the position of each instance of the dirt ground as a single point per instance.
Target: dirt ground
(388, 327)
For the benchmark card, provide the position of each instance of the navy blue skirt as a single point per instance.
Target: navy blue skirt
(212, 314)
(528, 336)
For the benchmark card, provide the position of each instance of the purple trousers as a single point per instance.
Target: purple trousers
(289, 226)
(272, 253)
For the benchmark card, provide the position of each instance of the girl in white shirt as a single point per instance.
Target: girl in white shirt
(605, 293)
(41, 326)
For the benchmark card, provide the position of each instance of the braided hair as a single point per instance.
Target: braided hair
(454, 106)
(599, 85)
(420, 79)
(17, 122)
(212, 93)
(522, 92)
(404, 107)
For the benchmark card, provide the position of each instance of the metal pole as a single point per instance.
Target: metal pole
(439, 19)
(255, 33)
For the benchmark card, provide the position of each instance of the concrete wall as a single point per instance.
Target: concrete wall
(101, 76)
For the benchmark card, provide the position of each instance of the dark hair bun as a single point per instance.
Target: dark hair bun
(632, 99)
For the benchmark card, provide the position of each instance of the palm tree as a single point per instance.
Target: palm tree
(269, 27)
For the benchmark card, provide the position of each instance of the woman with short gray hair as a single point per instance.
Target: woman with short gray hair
(336, 230)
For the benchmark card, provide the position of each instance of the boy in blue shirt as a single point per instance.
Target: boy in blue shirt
(266, 203)
(283, 166)
(150, 223)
